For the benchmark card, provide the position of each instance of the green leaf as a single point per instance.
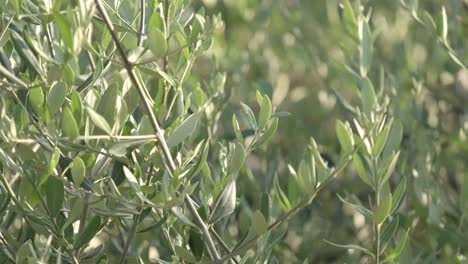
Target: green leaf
(250, 116)
(362, 172)
(381, 140)
(184, 254)
(398, 249)
(349, 19)
(283, 199)
(54, 195)
(24, 253)
(307, 174)
(394, 138)
(351, 246)
(26, 53)
(345, 136)
(237, 158)
(78, 171)
(444, 32)
(236, 128)
(56, 97)
(52, 164)
(64, 28)
(182, 131)
(387, 169)
(399, 192)
(88, 233)
(265, 112)
(265, 138)
(36, 99)
(4, 72)
(69, 126)
(196, 244)
(361, 209)
(368, 97)
(265, 205)
(388, 233)
(225, 204)
(107, 105)
(294, 195)
(259, 223)
(382, 211)
(77, 107)
(121, 148)
(366, 49)
(157, 42)
(133, 182)
(99, 121)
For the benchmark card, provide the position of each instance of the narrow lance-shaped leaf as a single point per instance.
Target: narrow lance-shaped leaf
(398, 249)
(184, 254)
(265, 138)
(259, 223)
(362, 172)
(36, 99)
(225, 204)
(88, 233)
(345, 137)
(183, 131)
(54, 195)
(133, 182)
(237, 158)
(359, 208)
(381, 140)
(388, 233)
(368, 97)
(56, 97)
(366, 47)
(283, 199)
(383, 209)
(78, 171)
(389, 169)
(99, 121)
(398, 195)
(236, 128)
(69, 126)
(351, 246)
(265, 112)
(250, 116)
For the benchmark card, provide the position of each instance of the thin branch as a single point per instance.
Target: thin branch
(131, 234)
(158, 131)
(141, 30)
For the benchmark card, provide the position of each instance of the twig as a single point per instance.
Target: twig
(158, 131)
(141, 30)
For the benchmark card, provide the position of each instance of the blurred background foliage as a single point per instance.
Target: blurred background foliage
(296, 50)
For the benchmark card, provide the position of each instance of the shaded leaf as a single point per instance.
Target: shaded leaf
(397, 251)
(54, 195)
(225, 204)
(382, 211)
(183, 131)
(69, 125)
(78, 171)
(259, 223)
(99, 121)
(56, 97)
(88, 233)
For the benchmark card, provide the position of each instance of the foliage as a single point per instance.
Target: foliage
(233, 131)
